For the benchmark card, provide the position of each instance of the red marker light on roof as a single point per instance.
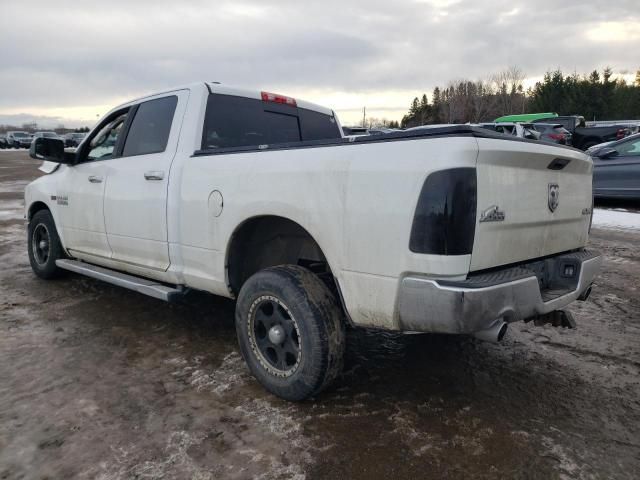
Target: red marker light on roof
(275, 98)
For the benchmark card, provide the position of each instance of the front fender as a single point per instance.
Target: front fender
(41, 193)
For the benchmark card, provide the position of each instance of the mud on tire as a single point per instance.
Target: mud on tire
(291, 331)
(44, 245)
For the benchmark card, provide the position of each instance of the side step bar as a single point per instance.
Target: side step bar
(138, 284)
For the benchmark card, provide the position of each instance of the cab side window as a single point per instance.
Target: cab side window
(629, 149)
(103, 144)
(150, 128)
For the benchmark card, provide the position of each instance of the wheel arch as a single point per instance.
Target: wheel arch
(263, 241)
(35, 207)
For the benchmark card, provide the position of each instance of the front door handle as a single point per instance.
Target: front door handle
(153, 175)
(94, 179)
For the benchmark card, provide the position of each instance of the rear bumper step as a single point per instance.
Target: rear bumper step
(131, 282)
(509, 295)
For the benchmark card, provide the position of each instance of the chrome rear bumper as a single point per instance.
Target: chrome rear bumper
(511, 294)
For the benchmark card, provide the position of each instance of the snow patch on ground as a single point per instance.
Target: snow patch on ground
(12, 210)
(13, 187)
(618, 219)
(231, 373)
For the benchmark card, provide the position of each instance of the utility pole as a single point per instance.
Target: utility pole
(364, 117)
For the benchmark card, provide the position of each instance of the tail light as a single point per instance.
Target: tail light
(557, 136)
(621, 133)
(275, 98)
(444, 222)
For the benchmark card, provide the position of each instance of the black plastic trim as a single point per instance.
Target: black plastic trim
(521, 270)
(558, 163)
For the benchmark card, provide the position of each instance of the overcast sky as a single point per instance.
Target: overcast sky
(73, 60)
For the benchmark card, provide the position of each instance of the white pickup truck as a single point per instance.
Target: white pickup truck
(258, 197)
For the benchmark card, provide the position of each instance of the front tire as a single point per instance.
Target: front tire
(44, 245)
(290, 331)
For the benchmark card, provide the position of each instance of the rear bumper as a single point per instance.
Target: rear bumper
(510, 294)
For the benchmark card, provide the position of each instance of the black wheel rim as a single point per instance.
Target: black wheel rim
(40, 244)
(274, 336)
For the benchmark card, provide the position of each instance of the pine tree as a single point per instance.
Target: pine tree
(437, 106)
(415, 107)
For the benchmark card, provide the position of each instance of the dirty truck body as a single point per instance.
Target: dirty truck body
(257, 197)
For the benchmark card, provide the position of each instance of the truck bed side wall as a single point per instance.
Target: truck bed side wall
(356, 201)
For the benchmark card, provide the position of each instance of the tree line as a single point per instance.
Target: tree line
(595, 96)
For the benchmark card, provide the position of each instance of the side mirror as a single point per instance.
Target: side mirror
(607, 153)
(51, 150)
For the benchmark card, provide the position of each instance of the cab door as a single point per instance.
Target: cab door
(80, 192)
(135, 198)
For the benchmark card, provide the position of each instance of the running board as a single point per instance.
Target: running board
(137, 284)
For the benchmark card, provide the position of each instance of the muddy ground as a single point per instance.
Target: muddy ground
(99, 382)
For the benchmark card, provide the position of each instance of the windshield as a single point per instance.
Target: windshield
(49, 134)
(78, 135)
(20, 134)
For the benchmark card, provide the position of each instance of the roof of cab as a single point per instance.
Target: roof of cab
(215, 87)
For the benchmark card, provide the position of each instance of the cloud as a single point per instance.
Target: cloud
(70, 54)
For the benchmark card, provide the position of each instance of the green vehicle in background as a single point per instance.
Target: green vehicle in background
(525, 117)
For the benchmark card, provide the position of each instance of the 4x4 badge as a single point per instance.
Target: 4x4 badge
(554, 196)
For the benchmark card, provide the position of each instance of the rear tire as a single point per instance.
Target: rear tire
(291, 331)
(44, 245)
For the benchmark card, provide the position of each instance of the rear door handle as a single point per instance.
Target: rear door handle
(154, 175)
(94, 179)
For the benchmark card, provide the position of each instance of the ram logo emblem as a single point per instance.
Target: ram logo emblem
(554, 196)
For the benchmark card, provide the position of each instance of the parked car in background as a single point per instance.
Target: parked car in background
(525, 117)
(616, 168)
(516, 129)
(553, 133)
(45, 135)
(73, 139)
(584, 137)
(355, 131)
(382, 130)
(18, 139)
(632, 125)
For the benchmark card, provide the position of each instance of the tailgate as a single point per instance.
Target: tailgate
(545, 195)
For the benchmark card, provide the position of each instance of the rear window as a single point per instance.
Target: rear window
(149, 131)
(232, 121)
(565, 122)
(317, 126)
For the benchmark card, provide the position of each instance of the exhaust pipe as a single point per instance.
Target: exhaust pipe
(495, 333)
(584, 295)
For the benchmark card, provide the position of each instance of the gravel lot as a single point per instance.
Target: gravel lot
(99, 382)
